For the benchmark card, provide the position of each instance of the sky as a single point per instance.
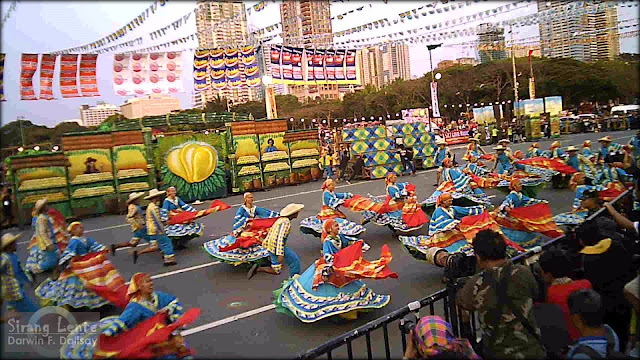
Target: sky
(46, 26)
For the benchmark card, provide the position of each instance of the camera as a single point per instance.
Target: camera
(459, 265)
(408, 322)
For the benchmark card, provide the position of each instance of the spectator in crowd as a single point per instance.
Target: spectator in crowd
(600, 253)
(555, 272)
(358, 167)
(406, 154)
(597, 340)
(503, 296)
(7, 206)
(326, 163)
(510, 133)
(494, 135)
(344, 161)
(432, 337)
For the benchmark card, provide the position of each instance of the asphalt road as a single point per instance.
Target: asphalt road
(238, 320)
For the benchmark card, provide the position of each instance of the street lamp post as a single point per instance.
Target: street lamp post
(432, 47)
(434, 109)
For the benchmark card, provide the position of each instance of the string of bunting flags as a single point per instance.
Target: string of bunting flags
(176, 25)
(137, 21)
(341, 16)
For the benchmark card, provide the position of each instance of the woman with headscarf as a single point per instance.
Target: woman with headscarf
(555, 151)
(534, 151)
(474, 149)
(433, 337)
(331, 201)
(179, 233)
(400, 210)
(125, 336)
(84, 277)
(43, 249)
(331, 285)
(586, 150)
(461, 182)
(242, 245)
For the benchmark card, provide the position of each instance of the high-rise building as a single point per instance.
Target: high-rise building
(223, 24)
(94, 115)
(152, 105)
(585, 37)
(490, 43)
(307, 23)
(381, 65)
(446, 64)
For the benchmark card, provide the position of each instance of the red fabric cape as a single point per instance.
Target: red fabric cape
(256, 231)
(534, 218)
(99, 275)
(553, 164)
(185, 217)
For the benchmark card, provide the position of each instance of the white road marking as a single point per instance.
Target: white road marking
(191, 268)
(225, 321)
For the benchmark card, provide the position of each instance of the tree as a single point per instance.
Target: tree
(255, 108)
(218, 105)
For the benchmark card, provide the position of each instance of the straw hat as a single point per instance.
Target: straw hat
(475, 138)
(291, 209)
(555, 144)
(7, 239)
(504, 141)
(135, 195)
(39, 204)
(499, 147)
(572, 148)
(154, 193)
(90, 159)
(606, 138)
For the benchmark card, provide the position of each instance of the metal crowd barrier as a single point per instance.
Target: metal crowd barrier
(447, 310)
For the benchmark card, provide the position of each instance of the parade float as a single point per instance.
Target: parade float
(534, 110)
(304, 151)
(133, 163)
(246, 168)
(274, 153)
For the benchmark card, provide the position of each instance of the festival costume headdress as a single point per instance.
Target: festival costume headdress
(326, 183)
(72, 225)
(134, 285)
(442, 198)
(514, 182)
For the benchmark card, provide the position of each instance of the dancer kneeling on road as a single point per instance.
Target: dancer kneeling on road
(155, 228)
(276, 241)
(135, 218)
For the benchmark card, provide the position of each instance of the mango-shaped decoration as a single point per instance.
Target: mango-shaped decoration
(194, 162)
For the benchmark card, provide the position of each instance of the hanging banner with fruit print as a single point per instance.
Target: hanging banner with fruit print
(351, 67)
(140, 74)
(218, 69)
(339, 66)
(276, 62)
(88, 76)
(122, 84)
(232, 62)
(251, 71)
(47, 66)
(173, 62)
(28, 67)
(69, 76)
(287, 65)
(296, 62)
(201, 70)
(194, 164)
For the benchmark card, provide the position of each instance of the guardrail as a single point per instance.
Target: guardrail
(449, 312)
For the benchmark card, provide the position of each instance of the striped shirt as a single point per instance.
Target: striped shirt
(154, 224)
(277, 236)
(135, 217)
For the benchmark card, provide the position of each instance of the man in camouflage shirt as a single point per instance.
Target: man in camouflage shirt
(504, 335)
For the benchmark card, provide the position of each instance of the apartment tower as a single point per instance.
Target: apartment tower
(222, 24)
(585, 37)
(491, 44)
(382, 65)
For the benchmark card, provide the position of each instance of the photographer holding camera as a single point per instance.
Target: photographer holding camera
(503, 295)
(432, 338)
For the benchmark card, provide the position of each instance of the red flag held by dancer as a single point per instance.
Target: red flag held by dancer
(189, 216)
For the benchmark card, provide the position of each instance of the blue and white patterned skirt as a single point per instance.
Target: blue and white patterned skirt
(236, 256)
(69, 291)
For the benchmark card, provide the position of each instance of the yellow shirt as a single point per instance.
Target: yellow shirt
(494, 132)
(276, 238)
(154, 224)
(509, 131)
(135, 218)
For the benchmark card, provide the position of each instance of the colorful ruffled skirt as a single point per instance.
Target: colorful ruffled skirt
(181, 233)
(237, 256)
(39, 261)
(459, 199)
(297, 298)
(393, 220)
(68, 291)
(313, 226)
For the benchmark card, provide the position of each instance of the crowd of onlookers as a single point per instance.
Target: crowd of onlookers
(579, 300)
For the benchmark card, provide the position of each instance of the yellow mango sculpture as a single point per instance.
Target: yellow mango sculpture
(194, 162)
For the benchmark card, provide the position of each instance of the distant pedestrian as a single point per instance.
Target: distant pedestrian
(510, 133)
(494, 135)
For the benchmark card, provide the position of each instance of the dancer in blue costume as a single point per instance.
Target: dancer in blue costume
(534, 151)
(586, 150)
(331, 201)
(635, 142)
(516, 199)
(441, 153)
(474, 149)
(610, 173)
(43, 255)
(474, 168)
(505, 144)
(555, 151)
(461, 181)
(241, 255)
(299, 298)
(144, 303)
(14, 278)
(69, 289)
(503, 162)
(580, 163)
(179, 233)
(608, 147)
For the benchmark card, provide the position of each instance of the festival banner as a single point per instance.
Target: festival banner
(251, 71)
(69, 76)
(318, 66)
(296, 62)
(351, 67)
(28, 67)
(218, 69)
(308, 55)
(47, 67)
(276, 62)
(122, 75)
(201, 70)
(140, 73)
(2, 78)
(287, 65)
(173, 61)
(553, 105)
(339, 66)
(88, 76)
(434, 100)
(478, 116)
(233, 78)
(158, 73)
(330, 65)
(456, 136)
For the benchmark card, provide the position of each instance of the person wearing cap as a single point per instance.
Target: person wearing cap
(504, 161)
(555, 151)
(14, 277)
(608, 147)
(586, 150)
(275, 243)
(474, 149)
(135, 219)
(580, 162)
(441, 153)
(179, 233)
(321, 290)
(155, 227)
(43, 252)
(578, 184)
(534, 151)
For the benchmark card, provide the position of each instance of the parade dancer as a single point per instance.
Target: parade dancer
(461, 181)
(180, 233)
(503, 161)
(155, 228)
(610, 174)
(232, 248)
(400, 210)
(580, 163)
(555, 151)
(275, 243)
(586, 150)
(135, 219)
(578, 184)
(474, 149)
(505, 145)
(14, 278)
(441, 153)
(84, 276)
(635, 142)
(608, 147)
(534, 151)
(43, 252)
(149, 314)
(331, 285)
